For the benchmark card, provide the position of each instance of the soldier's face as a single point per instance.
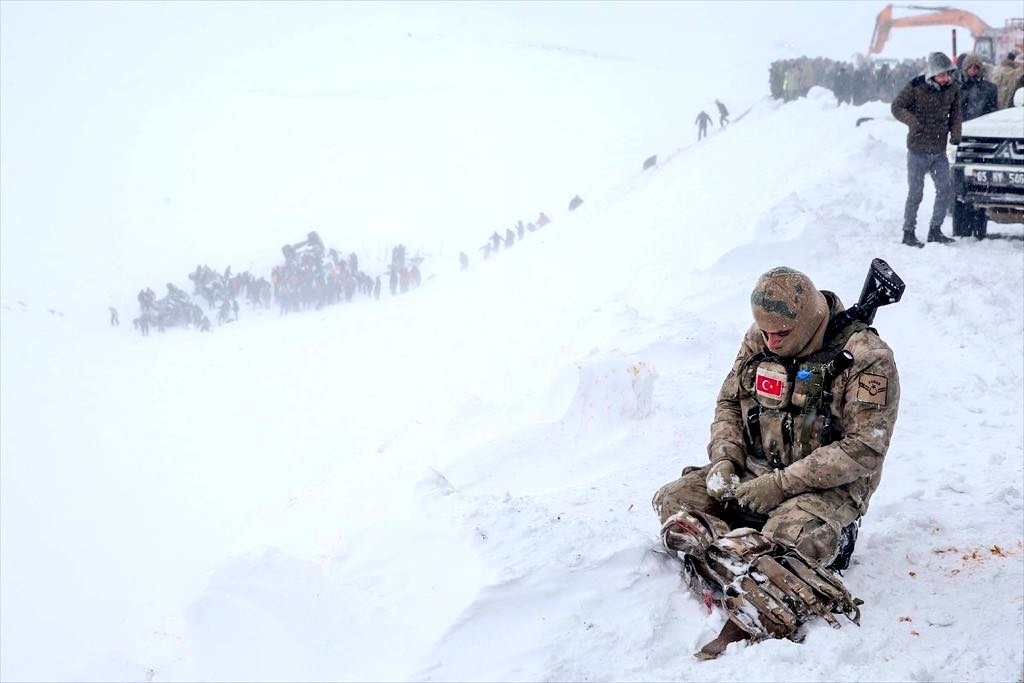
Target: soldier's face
(775, 339)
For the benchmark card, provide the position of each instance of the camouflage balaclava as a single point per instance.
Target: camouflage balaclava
(786, 299)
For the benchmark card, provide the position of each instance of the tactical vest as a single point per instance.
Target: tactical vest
(791, 413)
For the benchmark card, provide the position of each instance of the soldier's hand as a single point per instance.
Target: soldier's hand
(761, 495)
(722, 480)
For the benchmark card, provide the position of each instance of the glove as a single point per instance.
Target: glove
(762, 494)
(722, 480)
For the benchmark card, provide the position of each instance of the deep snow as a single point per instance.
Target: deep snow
(454, 484)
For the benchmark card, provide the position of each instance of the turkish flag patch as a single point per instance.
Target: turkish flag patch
(769, 386)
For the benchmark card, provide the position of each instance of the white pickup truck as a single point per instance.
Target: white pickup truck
(988, 171)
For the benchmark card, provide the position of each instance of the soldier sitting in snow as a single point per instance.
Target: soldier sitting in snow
(801, 427)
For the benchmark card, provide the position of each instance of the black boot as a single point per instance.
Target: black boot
(910, 239)
(935, 235)
(731, 633)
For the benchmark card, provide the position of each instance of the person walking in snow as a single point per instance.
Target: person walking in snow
(796, 448)
(147, 297)
(723, 114)
(930, 107)
(702, 122)
(842, 85)
(224, 314)
(114, 321)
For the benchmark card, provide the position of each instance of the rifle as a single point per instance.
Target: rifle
(882, 287)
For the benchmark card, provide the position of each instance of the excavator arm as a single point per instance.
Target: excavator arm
(936, 16)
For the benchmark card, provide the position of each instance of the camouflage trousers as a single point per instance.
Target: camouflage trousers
(813, 523)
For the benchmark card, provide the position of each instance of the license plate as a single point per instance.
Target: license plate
(997, 177)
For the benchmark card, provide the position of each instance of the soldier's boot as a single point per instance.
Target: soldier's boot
(910, 239)
(935, 235)
(730, 633)
(847, 542)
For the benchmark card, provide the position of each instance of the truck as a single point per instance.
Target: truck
(988, 171)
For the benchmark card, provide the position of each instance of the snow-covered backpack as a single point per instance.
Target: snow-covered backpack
(767, 590)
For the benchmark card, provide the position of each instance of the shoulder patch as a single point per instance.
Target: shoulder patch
(872, 389)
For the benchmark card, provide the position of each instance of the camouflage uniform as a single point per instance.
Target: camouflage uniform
(1007, 79)
(825, 488)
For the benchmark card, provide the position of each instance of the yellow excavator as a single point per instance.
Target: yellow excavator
(990, 43)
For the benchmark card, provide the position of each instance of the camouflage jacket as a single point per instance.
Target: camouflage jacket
(931, 115)
(865, 402)
(1007, 80)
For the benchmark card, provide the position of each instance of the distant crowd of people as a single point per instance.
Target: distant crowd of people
(790, 79)
(311, 276)
(881, 80)
(496, 242)
(401, 275)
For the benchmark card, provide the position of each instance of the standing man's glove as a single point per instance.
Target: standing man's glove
(722, 480)
(762, 494)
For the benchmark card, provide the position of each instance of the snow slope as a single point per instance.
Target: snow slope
(454, 484)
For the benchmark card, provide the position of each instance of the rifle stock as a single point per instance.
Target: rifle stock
(882, 287)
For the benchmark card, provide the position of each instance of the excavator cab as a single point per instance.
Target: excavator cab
(985, 49)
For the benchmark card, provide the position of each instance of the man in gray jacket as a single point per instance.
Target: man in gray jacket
(930, 106)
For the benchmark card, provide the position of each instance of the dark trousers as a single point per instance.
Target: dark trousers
(937, 166)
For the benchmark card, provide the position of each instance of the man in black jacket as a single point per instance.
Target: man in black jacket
(977, 95)
(930, 106)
